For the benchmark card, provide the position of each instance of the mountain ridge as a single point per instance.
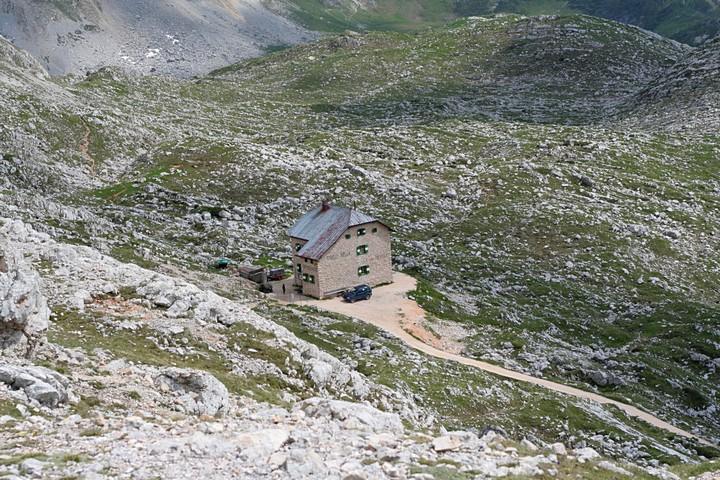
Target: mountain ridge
(553, 229)
(179, 37)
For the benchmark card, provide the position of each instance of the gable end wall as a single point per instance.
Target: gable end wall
(338, 267)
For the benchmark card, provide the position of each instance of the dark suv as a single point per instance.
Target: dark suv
(361, 292)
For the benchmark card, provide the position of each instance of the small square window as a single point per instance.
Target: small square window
(347, 236)
(364, 270)
(308, 278)
(374, 230)
(361, 232)
(361, 250)
(298, 247)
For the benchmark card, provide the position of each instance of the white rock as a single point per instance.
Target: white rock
(304, 463)
(261, 444)
(558, 449)
(199, 393)
(527, 444)
(40, 384)
(585, 454)
(24, 313)
(447, 442)
(353, 415)
(32, 466)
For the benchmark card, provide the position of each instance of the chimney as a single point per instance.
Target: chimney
(325, 206)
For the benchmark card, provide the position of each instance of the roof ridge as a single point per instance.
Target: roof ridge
(321, 228)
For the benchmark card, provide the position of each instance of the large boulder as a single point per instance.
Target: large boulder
(40, 384)
(24, 313)
(356, 416)
(197, 392)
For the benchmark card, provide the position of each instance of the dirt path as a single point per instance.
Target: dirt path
(85, 146)
(391, 310)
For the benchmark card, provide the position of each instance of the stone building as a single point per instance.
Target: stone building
(335, 248)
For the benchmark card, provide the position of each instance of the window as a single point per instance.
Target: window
(361, 250)
(375, 230)
(347, 236)
(299, 267)
(364, 270)
(308, 278)
(298, 246)
(361, 232)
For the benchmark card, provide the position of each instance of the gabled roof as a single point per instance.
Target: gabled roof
(321, 228)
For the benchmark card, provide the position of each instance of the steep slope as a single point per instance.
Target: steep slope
(581, 253)
(179, 37)
(686, 97)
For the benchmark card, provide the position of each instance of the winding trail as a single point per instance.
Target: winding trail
(84, 146)
(391, 310)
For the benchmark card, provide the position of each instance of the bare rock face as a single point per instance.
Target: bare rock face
(24, 312)
(197, 392)
(40, 384)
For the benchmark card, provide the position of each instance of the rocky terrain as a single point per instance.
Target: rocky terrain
(688, 22)
(178, 37)
(183, 38)
(129, 387)
(557, 207)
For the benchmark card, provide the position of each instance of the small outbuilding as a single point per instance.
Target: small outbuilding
(335, 248)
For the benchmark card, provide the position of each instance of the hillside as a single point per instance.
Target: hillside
(545, 236)
(185, 38)
(569, 69)
(689, 22)
(178, 37)
(686, 96)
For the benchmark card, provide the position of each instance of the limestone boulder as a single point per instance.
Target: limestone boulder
(24, 313)
(40, 384)
(195, 392)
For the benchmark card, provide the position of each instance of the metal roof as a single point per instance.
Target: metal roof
(322, 228)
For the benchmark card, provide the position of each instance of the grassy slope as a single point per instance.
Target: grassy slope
(555, 70)
(423, 113)
(681, 20)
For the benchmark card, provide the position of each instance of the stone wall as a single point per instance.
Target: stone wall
(310, 267)
(296, 259)
(338, 269)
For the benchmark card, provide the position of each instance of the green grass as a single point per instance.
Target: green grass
(7, 407)
(88, 331)
(682, 21)
(452, 391)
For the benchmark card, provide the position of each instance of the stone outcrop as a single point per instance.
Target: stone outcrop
(352, 415)
(24, 313)
(40, 384)
(197, 392)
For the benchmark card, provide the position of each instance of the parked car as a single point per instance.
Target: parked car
(361, 292)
